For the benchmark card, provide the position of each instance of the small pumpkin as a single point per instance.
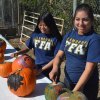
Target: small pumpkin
(22, 82)
(23, 61)
(2, 50)
(53, 90)
(2, 45)
(5, 69)
(2, 58)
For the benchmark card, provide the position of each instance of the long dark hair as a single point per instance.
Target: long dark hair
(48, 19)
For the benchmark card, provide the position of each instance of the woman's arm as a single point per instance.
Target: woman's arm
(25, 50)
(50, 64)
(47, 65)
(39, 71)
(56, 64)
(85, 76)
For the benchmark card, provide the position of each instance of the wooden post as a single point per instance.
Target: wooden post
(74, 5)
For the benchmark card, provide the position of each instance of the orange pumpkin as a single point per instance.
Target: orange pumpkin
(2, 45)
(5, 69)
(2, 49)
(23, 61)
(22, 82)
(2, 57)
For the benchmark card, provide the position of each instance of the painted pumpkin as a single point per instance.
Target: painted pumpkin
(64, 96)
(53, 90)
(2, 50)
(72, 96)
(5, 69)
(77, 96)
(23, 61)
(22, 82)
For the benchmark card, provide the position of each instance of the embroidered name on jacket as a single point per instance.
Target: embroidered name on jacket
(43, 43)
(76, 46)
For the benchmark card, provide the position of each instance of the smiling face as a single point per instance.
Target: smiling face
(43, 27)
(82, 22)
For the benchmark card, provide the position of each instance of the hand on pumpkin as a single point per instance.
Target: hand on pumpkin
(14, 55)
(53, 76)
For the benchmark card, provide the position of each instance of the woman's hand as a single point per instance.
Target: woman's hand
(23, 51)
(85, 76)
(14, 55)
(56, 64)
(53, 76)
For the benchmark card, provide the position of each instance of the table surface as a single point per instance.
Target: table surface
(41, 81)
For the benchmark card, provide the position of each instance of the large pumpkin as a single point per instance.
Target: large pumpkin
(64, 96)
(5, 69)
(72, 96)
(53, 90)
(23, 61)
(2, 50)
(77, 96)
(22, 82)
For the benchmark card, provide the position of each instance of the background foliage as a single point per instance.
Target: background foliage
(60, 8)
